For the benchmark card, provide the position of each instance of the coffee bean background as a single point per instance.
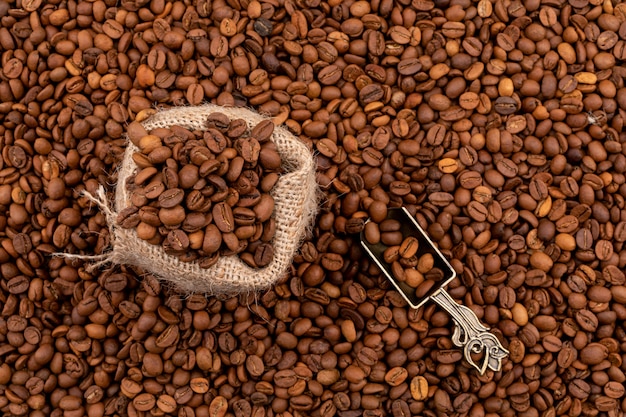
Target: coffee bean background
(497, 123)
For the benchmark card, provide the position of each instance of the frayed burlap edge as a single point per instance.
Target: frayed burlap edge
(296, 202)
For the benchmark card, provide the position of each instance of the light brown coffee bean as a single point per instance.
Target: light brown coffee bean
(419, 388)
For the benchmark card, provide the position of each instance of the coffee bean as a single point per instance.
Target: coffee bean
(166, 403)
(396, 376)
(115, 282)
(408, 247)
(176, 241)
(223, 217)
(419, 388)
(22, 243)
(604, 250)
(477, 211)
(505, 105)
(409, 66)
(391, 238)
(587, 320)
(579, 389)
(469, 179)
(263, 27)
(329, 75)
(171, 197)
(263, 255)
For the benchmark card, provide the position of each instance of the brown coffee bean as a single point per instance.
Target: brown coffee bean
(604, 250)
(199, 385)
(264, 254)
(176, 241)
(424, 288)
(264, 208)
(470, 179)
(593, 353)
(507, 168)
(391, 238)
(61, 236)
(31, 5)
(579, 388)
(328, 376)
(115, 282)
(396, 376)
(22, 243)
(449, 356)
(69, 403)
(154, 190)
(144, 402)
(409, 66)
(263, 26)
(587, 320)
(171, 197)
(408, 247)
(327, 147)
(614, 390)
(249, 149)
(166, 403)
(332, 262)
(263, 131)
(329, 75)
(477, 211)
(419, 388)
(372, 233)
(505, 105)
(172, 216)
(223, 217)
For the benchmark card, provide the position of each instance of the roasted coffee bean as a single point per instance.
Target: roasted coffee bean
(263, 255)
(263, 27)
(223, 217)
(171, 197)
(408, 247)
(505, 105)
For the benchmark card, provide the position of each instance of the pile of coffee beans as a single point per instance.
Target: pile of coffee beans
(497, 123)
(205, 194)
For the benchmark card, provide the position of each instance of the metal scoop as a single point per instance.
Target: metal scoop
(469, 333)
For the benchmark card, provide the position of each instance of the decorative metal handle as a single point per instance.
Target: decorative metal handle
(471, 335)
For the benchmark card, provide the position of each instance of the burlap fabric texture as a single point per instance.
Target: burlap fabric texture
(295, 197)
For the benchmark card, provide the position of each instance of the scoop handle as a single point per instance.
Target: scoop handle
(471, 335)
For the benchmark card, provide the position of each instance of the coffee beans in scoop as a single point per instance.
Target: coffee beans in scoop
(407, 261)
(205, 194)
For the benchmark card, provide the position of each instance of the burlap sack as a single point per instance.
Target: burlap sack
(295, 196)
